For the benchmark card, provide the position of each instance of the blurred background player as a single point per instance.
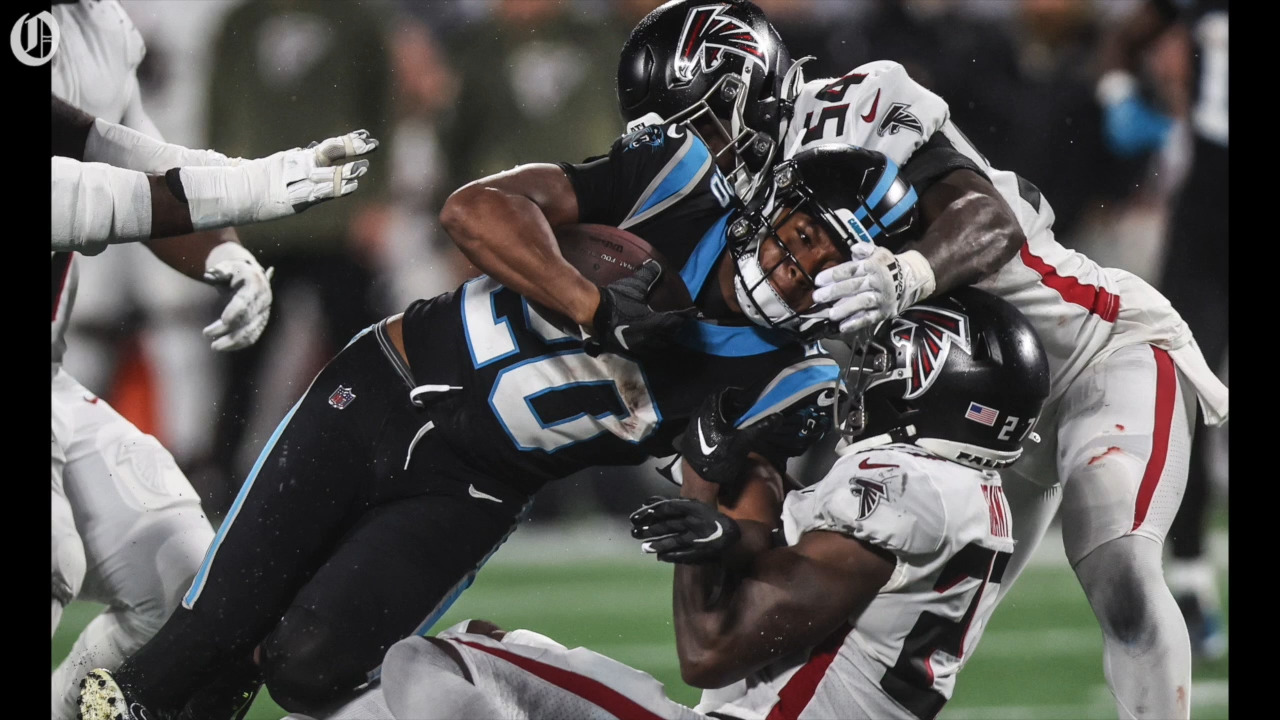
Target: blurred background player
(1197, 247)
(127, 528)
(875, 592)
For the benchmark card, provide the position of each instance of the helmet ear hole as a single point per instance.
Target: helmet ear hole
(987, 347)
(634, 79)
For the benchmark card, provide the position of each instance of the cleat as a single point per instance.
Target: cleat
(102, 699)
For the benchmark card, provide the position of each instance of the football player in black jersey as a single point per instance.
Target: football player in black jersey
(415, 452)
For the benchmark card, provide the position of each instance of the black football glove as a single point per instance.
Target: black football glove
(624, 322)
(713, 446)
(680, 530)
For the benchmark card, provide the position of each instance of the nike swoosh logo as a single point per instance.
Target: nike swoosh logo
(92, 400)
(617, 332)
(674, 131)
(864, 465)
(473, 492)
(702, 440)
(875, 104)
(713, 536)
(826, 397)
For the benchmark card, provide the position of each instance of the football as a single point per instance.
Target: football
(604, 254)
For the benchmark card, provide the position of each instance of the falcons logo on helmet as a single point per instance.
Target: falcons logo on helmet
(708, 34)
(868, 493)
(939, 329)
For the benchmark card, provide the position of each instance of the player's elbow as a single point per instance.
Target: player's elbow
(462, 212)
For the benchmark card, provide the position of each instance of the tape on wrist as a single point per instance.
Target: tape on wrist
(95, 204)
(917, 278)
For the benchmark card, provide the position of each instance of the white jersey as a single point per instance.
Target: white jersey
(1081, 310)
(95, 70)
(950, 529)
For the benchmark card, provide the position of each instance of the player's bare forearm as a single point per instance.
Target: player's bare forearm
(792, 599)
(504, 225)
(970, 231)
(187, 253)
(70, 129)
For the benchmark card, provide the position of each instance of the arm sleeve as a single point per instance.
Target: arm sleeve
(933, 161)
(95, 205)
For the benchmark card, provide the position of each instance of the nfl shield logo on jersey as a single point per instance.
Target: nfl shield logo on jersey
(341, 397)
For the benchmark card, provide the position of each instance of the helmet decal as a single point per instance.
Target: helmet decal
(940, 328)
(708, 34)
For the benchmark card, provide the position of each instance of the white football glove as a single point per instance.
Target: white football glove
(246, 314)
(276, 186)
(872, 287)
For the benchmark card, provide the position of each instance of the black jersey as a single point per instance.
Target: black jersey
(533, 406)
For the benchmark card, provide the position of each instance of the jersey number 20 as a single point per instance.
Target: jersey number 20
(620, 402)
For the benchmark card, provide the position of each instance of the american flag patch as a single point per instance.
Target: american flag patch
(982, 414)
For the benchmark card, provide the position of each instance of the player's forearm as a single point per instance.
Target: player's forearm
(971, 232)
(755, 619)
(69, 128)
(95, 205)
(510, 238)
(188, 253)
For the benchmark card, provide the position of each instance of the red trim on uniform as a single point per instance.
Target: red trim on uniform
(1096, 300)
(799, 690)
(1166, 393)
(595, 692)
(62, 285)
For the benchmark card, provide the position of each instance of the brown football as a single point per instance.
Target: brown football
(604, 254)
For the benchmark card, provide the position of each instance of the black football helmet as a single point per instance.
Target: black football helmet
(962, 375)
(857, 194)
(719, 62)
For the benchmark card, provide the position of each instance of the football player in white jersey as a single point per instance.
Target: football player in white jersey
(1126, 371)
(127, 527)
(862, 600)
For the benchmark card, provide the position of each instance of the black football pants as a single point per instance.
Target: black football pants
(355, 528)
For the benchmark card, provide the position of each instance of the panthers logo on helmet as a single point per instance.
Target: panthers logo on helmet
(940, 329)
(708, 34)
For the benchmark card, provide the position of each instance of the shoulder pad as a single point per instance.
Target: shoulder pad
(881, 496)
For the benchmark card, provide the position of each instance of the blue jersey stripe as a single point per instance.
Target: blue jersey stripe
(725, 341)
(703, 259)
(799, 383)
(684, 174)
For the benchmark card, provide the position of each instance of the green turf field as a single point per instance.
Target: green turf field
(1041, 656)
